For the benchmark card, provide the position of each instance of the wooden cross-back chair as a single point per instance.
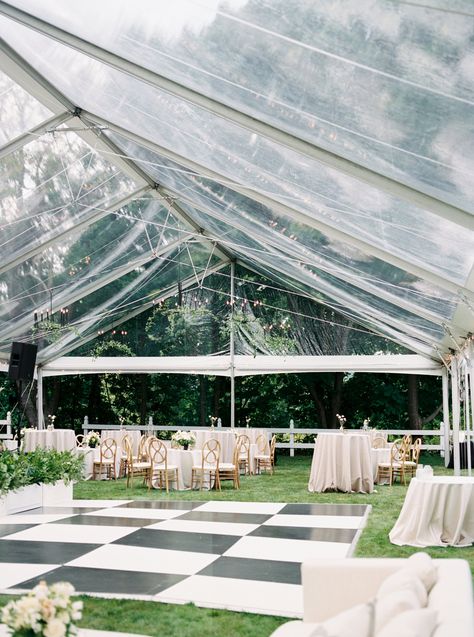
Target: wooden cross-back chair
(161, 473)
(396, 467)
(265, 458)
(411, 464)
(209, 466)
(243, 457)
(230, 470)
(106, 462)
(135, 466)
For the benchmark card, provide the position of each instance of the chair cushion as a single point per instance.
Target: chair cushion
(226, 466)
(261, 456)
(141, 465)
(161, 467)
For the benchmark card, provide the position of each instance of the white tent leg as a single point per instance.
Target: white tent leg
(447, 427)
(469, 384)
(39, 399)
(232, 346)
(456, 415)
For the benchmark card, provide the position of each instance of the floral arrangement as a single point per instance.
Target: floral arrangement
(247, 421)
(342, 420)
(183, 438)
(92, 439)
(366, 423)
(47, 611)
(51, 420)
(213, 420)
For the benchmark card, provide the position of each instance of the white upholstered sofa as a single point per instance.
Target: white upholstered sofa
(331, 586)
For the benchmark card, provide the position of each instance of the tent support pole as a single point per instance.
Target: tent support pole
(447, 427)
(39, 399)
(456, 415)
(232, 352)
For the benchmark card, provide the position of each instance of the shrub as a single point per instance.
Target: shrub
(44, 466)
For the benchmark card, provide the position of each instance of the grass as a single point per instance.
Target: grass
(288, 484)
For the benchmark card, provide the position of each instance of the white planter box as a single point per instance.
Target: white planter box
(57, 493)
(22, 500)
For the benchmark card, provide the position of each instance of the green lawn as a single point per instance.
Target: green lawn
(288, 484)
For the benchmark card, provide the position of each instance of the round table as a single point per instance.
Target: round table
(341, 462)
(59, 439)
(437, 511)
(226, 440)
(118, 435)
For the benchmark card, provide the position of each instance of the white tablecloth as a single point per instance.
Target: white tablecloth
(60, 439)
(225, 438)
(94, 454)
(437, 511)
(184, 460)
(253, 433)
(379, 455)
(118, 434)
(372, 433)
(341, 461)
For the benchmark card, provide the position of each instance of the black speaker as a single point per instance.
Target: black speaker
(22, 361)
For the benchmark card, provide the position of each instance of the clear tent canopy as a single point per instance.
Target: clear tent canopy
(325, 148)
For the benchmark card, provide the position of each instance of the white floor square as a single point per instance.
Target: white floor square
(317, 521)
(120, 557)
(283, 550)
(197, 526)
(72, 533)
(131, 512)
(99, 504)
(12, 574)
(270, 598)
(269, 508)
(33, 518)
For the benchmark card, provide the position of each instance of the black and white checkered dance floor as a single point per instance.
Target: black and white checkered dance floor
(234, 555)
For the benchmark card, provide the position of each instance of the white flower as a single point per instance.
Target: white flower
(55, 628)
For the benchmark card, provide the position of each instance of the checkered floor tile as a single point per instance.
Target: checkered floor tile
(234, 555)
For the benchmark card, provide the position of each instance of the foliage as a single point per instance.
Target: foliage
(42, 466)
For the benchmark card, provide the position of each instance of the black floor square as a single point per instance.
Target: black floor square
(106, 520)
(304, 533)
(161, 504)
(324, 509)
(262, 570)
(37, 552)
(9, 529)
(72, 510)
(97, 580)
(179, 541)
(216, 516)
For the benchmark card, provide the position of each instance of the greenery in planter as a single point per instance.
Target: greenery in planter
(42, 466)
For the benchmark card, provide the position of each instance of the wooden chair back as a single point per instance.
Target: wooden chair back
(211, 452)
(108, 449)
(243, 443)
(80, 441)
(397, 452)
(416, 449)
(158, 452)
(378, 442)
(262, 444)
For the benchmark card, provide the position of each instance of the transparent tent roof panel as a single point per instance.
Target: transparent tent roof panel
(388, 86)
(51, 184)
(85, 260)
(300, 243)
(360, 303)
(315, 190)
(19, 111)
(188, 264)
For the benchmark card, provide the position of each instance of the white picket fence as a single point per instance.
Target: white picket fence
(291, 431)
